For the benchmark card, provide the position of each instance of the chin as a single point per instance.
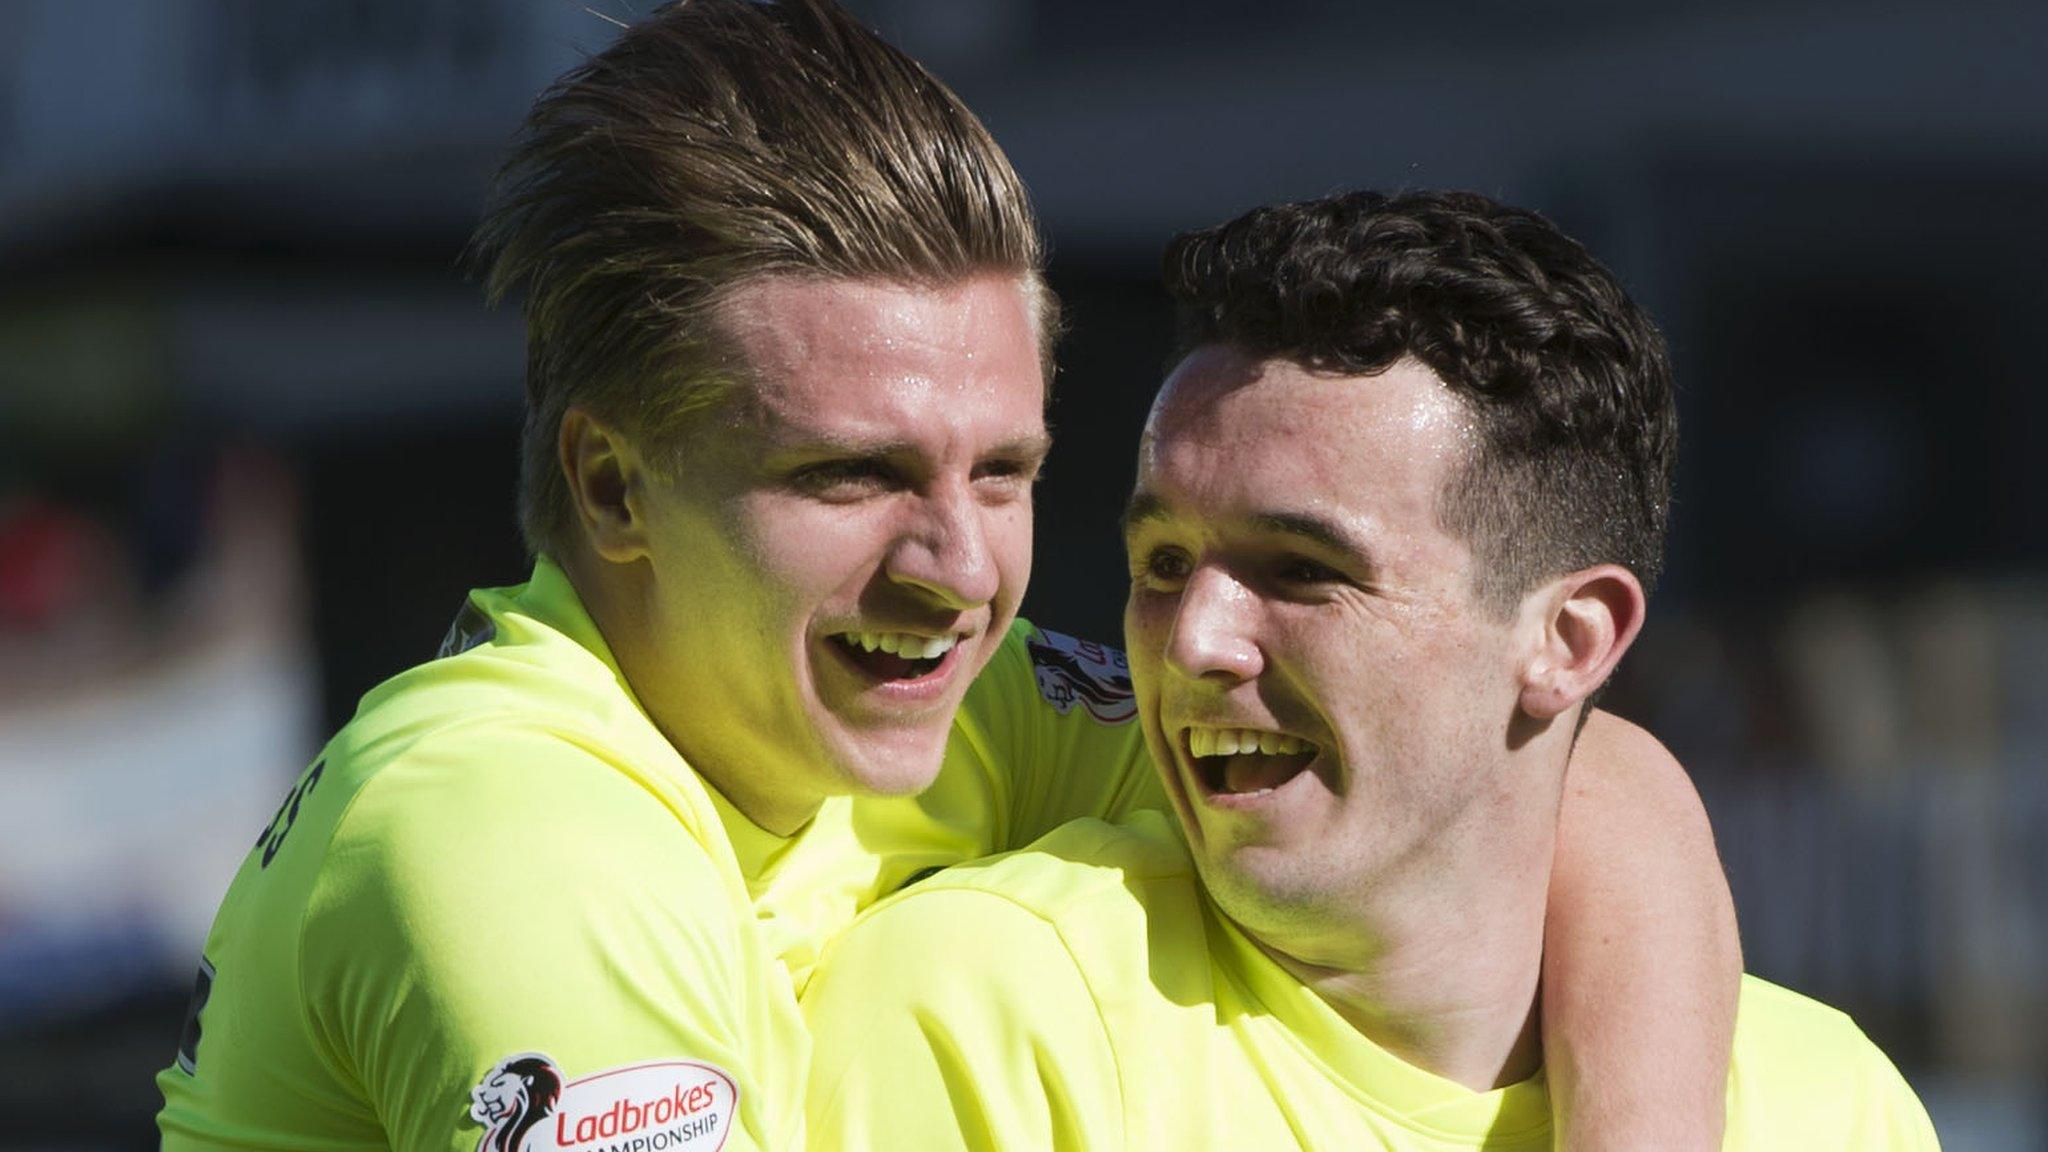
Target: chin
(899, 765)
(1263, 889)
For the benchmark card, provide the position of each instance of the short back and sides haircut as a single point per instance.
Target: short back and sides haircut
(714, 144)
(1566, 379)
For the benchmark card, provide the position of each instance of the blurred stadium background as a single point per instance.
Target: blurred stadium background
(256, 429)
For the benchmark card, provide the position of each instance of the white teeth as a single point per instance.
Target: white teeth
(904, 644)
(1233, 741)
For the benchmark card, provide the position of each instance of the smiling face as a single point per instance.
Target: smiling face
(838, 552)
(1326, 701)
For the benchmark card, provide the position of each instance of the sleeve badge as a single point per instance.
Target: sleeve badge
(1094, 676)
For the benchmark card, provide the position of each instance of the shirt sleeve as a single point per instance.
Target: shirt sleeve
(1805, 1077)
(956, 1019)
(499, 894)
(1892, 1118)
(1053, 717)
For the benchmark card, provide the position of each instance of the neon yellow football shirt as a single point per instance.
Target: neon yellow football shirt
(500, 911)
(1084, 994)
(1043, 737)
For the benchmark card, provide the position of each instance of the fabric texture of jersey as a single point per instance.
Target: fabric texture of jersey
(1084, 994)
(501, 858)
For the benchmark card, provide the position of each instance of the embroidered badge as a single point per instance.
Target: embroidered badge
(470, 629)
(1095, 676)
(525, 1105)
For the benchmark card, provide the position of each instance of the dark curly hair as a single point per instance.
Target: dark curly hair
(1566, 377)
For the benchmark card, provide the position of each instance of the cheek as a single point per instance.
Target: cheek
(1371, 678)
(805, 550)
(1435, 694)
(1147, 619)
(1008, 532)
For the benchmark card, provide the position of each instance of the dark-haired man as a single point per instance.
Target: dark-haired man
(1397, 512)
(788, 344)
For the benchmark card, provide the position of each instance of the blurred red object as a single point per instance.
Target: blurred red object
(48, 557)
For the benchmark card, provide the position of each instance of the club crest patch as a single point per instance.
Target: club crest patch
(525, 1105)
(1095, 676)
(470, 629)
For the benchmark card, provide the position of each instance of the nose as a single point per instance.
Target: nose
(944, 550)
(1212, 633)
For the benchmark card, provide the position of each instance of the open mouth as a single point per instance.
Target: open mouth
(889, 656)
(1246, 761)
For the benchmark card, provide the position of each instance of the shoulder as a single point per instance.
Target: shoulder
(518, 763)
(498, 883)
(1804, 1075)
(523, 670)
(468, 809)
(524, 735)
(1772, 1020)
(498, 851)
(502, 768)
(981, 978)
(1084, 869)
(384, 804)
(1080, 898)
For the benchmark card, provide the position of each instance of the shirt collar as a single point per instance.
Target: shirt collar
(1419, 1098)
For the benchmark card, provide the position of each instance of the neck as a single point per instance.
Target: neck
(1453, 1002)
(1441, 961)
(625, 621)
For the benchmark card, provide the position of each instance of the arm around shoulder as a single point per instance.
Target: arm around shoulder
(957, 1019)
(1642, 965)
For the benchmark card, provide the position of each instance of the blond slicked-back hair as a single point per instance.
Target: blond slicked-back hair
(716, 143)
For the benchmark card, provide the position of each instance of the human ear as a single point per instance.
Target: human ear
(605, 478)
(1587, 620)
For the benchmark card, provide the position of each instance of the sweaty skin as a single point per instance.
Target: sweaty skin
(874, 479)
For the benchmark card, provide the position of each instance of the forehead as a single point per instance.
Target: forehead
(853, 353)
(1240, 434)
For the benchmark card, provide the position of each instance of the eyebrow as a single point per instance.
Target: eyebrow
(1319, 529)
(1037, 444)
(1141, 508)
(1146, 507)
(831, 444)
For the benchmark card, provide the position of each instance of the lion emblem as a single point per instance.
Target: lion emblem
(516, 1095)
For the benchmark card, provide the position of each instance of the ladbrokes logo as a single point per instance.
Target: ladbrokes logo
(664, 1106)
